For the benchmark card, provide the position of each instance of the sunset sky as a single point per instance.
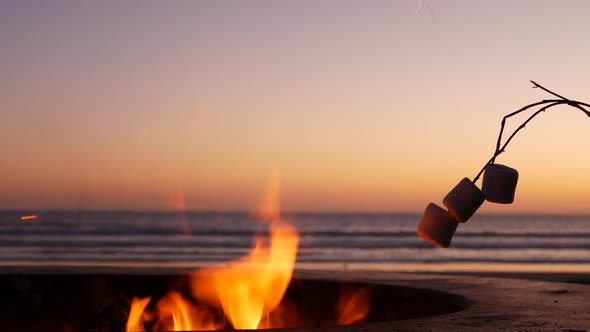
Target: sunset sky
(364, 105)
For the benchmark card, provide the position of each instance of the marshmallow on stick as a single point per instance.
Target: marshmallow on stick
(464, 200)
(499, 183)
(437, 226)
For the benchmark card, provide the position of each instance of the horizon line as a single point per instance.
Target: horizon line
(287, 212)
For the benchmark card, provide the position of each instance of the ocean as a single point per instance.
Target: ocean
(201, 238)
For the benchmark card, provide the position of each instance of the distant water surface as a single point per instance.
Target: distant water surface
(162, 237)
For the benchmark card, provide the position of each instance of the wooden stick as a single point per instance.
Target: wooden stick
(548, 103)
(572, 103)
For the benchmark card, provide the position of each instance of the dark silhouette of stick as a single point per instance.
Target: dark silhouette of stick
(570, 102)
(548, 103)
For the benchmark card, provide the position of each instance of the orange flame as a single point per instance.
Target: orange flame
(134, 323)
(250, 288)
(30, 217)
(247, 289)
(353, 306)
(178, 314)
(270, 208)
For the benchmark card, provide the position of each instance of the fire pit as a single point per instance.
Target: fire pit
(396, 302)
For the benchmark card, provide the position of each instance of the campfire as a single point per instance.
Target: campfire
(247, 293)
(260, 290)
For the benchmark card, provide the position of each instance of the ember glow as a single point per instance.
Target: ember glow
(353, 306)
(29, 217)
(249, 291)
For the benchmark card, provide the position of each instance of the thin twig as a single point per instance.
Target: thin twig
(549, 103)
(547, 90)
(546, 101)
(525, 123)
(513, 114)
(500, 150)
(572, 103)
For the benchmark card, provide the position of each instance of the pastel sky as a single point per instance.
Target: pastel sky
(364, 105)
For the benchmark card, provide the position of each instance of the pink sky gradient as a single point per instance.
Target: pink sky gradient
(363, 104)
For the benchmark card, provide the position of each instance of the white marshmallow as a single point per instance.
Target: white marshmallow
(499, 183)
(437, 226)
(464, 200)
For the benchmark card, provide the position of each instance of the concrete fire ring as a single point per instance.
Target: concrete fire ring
(496, 304)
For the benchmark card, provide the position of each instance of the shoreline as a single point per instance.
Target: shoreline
(571, 273)
(521, 267)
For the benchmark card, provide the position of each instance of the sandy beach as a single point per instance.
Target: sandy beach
(569, 273)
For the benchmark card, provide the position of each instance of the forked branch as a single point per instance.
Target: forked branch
(548, 103)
